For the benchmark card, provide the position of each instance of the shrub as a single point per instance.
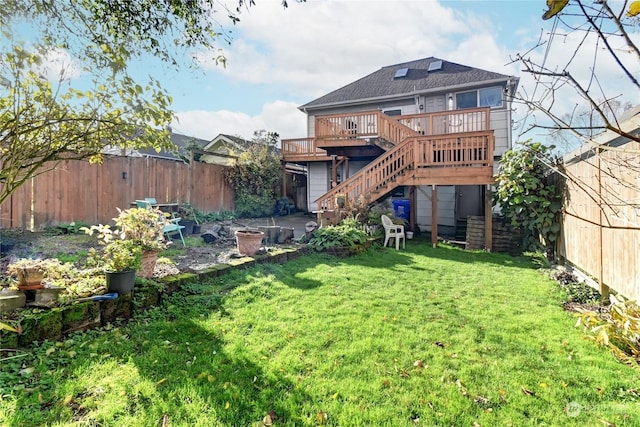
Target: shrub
(619, 329)
(256, 176)
(343, 235)
(527, 194)
(575, 291)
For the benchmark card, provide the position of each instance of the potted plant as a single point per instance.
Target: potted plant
(141, 227)
(187, 218)
(119, 261)
(28, 272)
(138, 236)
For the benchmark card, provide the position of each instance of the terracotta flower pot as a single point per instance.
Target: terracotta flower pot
(249, 241)
(149, 259)
(30, 278)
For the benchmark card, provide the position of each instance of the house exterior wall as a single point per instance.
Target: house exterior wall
(441, 100)
(446, 208)
(318, 183)
(500, 122)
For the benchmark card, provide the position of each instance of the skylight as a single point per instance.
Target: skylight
(400, 73)
(435, 66)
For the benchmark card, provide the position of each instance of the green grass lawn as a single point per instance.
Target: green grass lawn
(420, 336)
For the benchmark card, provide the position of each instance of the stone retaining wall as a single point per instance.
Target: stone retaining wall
(55, 323)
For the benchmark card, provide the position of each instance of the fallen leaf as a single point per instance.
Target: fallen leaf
(418, 364)
(544, 385)
(27, 371)
(226, 406)
(527, 392)
(321, 417)
(162, 381)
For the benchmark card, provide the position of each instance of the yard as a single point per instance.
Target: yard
(420, 336)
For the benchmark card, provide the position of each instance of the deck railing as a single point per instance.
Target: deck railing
(446, 122)
(351, 129)
(302, 147)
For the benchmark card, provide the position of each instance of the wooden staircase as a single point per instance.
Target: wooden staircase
(411, 157)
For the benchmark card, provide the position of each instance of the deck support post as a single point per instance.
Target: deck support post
(434, 215)
(488, 218)
(412, 207)
(283, 164)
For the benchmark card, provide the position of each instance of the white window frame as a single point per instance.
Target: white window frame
(497, 89)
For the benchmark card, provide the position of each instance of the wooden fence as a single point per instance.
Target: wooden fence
(79, 191)
(600, 232)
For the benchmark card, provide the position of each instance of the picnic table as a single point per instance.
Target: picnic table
(164, 207)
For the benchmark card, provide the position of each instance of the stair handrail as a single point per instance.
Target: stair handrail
(380, 171)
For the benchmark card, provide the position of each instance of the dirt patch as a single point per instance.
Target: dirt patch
(197, 255)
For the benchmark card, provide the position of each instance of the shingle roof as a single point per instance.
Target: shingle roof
(381, 83)
(181, 152)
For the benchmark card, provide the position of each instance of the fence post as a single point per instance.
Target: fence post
(604, 289)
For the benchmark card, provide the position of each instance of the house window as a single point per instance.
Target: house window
(488, 97)
(467, 100)
(393, 112)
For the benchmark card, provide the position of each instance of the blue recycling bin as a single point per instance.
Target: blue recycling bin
(402, 208)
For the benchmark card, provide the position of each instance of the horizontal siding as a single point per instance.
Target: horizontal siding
(446, 206)
(318, 174)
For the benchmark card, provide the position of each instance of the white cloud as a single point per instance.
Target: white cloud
(310, 49)
(592, 67)
(318, 46)
(57, 65)
(278, 116)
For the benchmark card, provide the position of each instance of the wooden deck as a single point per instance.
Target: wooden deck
(335, 134)
(445, 148)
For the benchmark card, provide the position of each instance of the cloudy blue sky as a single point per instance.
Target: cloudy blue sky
(282, 58)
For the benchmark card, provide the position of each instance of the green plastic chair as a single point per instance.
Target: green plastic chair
(168, 229)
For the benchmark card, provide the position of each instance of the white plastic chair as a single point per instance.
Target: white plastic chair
(392, 230)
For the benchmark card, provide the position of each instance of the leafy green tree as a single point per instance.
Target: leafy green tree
(43, 123)
(256, 175)
(527, 194)
(45, 120)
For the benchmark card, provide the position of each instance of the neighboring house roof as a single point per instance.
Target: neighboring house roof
(228, 142)
(181, 152)
(629, 123)
(407, 78)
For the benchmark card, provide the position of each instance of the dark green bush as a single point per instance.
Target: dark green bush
(344, 235)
